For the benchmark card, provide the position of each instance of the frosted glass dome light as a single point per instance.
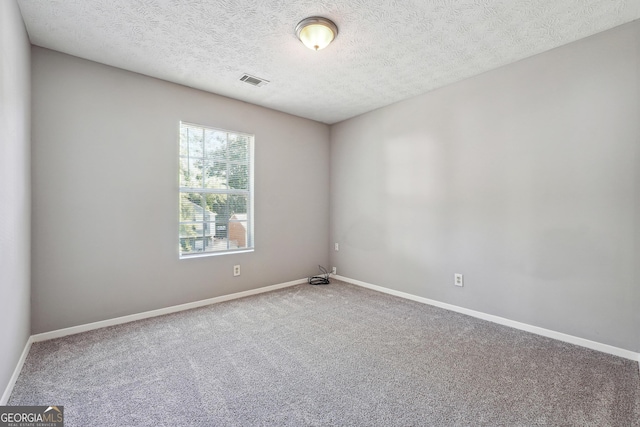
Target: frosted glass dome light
(316, 33)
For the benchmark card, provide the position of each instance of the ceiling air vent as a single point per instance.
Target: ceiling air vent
(253, 80)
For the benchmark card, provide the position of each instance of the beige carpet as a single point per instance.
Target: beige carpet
(326, 355)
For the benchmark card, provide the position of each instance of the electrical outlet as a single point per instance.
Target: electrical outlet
(337, 246)
(334, 271)
(236, 270)
(458, 279)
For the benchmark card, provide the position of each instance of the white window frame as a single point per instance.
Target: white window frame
(249, 192)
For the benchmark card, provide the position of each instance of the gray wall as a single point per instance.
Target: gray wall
(105, 189)
(526, 179)
(15, 210)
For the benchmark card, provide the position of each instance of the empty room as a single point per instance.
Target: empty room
(320, 213)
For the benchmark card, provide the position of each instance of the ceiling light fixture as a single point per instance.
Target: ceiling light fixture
(316, 32)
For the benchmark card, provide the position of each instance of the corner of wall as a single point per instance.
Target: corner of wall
(15, 192)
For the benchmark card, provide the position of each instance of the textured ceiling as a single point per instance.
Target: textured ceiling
(386, 50)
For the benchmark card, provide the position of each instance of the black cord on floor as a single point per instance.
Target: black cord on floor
(322, 279)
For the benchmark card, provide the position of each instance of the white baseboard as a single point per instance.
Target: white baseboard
(605, 348)
(160, 312)
(16, 373)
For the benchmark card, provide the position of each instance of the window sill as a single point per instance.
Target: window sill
(208, 254)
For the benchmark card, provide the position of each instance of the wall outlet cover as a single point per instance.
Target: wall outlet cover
(458, 279)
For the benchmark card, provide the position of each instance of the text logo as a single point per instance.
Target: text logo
(31, 416)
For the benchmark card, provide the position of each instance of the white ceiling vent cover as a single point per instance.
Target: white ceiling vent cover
(253, 80)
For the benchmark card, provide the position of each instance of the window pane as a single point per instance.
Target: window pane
(191, 171)
(187, 245)
(184, 141)
(195, 140)
(238, 207)
(221, 230)
(238, 177)
(209, 229)
(209, 234)
(191, 207)
(217, 203)
(191, 238)
(215, 175)
(184, 172)
(238, 148)
(215, 144)
(194, 230)
(238, 234)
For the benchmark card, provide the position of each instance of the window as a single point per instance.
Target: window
(216, 191)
